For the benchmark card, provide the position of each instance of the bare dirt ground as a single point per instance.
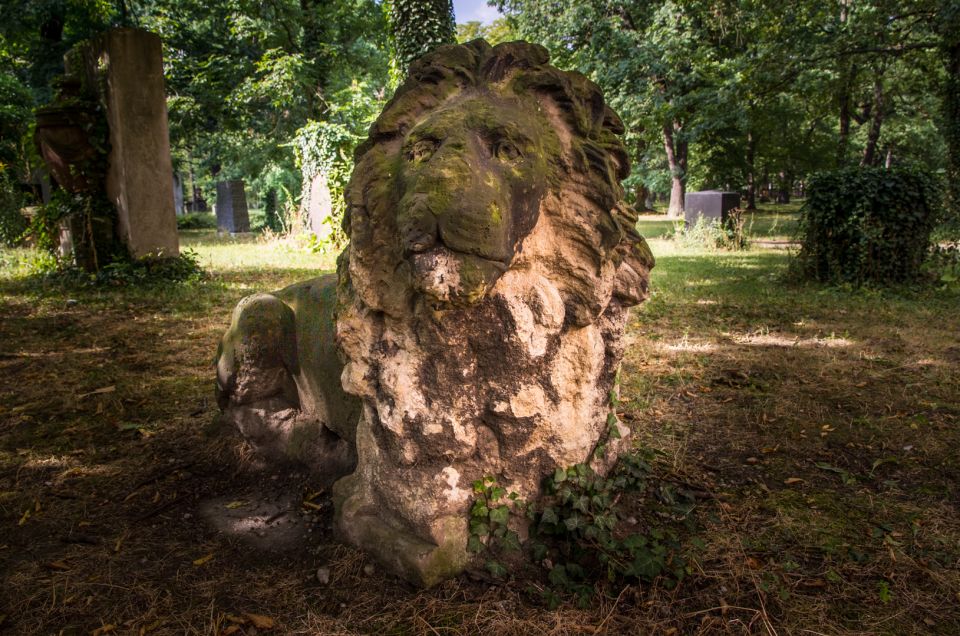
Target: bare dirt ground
(818, 427)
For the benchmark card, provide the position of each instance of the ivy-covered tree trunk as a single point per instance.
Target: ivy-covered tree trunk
(420, 26)
(950, 30)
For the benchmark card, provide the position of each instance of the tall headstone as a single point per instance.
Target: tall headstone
(320, 207)
(232, 214)
(178, 194)
(710, 204)
(127, 64)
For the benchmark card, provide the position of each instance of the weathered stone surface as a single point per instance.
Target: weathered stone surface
(484, 295)
(278, 378)
(232, 213)
(128, 64)
(481, 303)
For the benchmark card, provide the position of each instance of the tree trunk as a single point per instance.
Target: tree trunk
(951, 118)
(677, 162)
(784, 183)
(419, 26)
(643, 199)
(848, 74)
(751, 172)
(873, 137)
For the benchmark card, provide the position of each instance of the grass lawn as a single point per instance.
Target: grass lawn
(818, 427)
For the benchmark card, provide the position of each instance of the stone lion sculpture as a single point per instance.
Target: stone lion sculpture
(480, 307)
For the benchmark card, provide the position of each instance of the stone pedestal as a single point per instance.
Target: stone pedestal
(710, 204)
(232, 214)
(127, 66)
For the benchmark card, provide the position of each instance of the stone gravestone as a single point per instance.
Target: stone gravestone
(710, 204)
(232, 215)
(320, 207)
(140, 177)
(177, 195)
(480, 308)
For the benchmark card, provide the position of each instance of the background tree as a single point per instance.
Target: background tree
(419, 26)
(948, 26)
(754, 96)
(500, 30)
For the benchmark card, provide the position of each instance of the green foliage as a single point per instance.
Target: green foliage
(488, 523)
(91, 219)
(325, 148)
(197, 221)
(15, 115)
(729, 234)
(140, 272)
(949, 29)
(581, 532)
(419, 26)
(271, 215)
(944, 264)
(498, 31)
(243, 77)
(868, 225)
(13, 224)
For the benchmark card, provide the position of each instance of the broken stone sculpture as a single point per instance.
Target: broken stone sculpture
(480, 308)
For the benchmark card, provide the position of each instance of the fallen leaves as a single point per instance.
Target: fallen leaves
(100, 391)
(57, 565)
(203, 559)
(792, 481)
(259, 621)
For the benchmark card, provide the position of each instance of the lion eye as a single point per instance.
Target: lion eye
(506, 151)
(422, 150)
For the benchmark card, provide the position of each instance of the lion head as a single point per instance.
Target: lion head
(475, 147)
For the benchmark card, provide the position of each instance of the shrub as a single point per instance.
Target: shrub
(146, 271)
(197, 221)
(13, 224)
(867, 225)
(713, 234)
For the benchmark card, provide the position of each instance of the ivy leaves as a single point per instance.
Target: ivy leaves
(488, 523)
(580, 532)
(868, 225)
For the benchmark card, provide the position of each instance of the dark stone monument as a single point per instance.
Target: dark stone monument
(232, 213)
(710, 204)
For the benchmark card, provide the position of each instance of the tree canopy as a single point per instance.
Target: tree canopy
(750, 96)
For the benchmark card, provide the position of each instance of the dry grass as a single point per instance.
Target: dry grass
(741, 383)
